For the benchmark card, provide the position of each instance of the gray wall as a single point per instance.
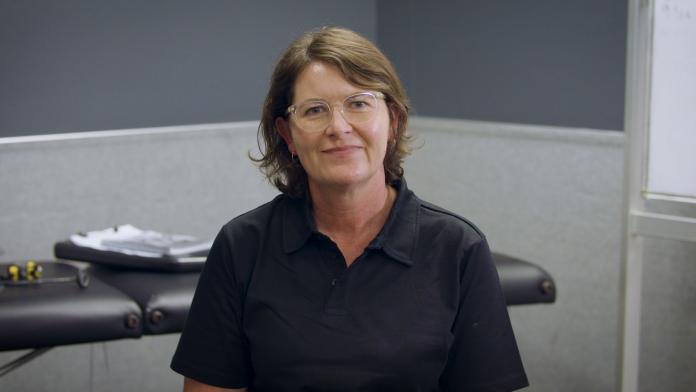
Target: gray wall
(80, 65)
(551, 196)
(533, 62)
(668, 319)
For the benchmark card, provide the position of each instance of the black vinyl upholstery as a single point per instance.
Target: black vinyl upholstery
(164, 297)
(524, 283)
(59, 313)
(126, 303)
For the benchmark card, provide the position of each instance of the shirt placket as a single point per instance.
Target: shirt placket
(335, 304)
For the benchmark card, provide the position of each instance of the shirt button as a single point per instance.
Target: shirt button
(334, 281)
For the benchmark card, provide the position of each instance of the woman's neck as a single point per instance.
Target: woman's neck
(353, 211)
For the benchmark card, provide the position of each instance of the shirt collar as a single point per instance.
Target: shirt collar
(298, 223)
(397, 238)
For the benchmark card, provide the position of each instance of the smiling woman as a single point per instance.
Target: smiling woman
(347, 280)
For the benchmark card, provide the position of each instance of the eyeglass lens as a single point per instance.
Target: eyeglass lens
(314, 116)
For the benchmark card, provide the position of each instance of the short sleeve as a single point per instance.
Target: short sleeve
(484, 355)
(212, 348)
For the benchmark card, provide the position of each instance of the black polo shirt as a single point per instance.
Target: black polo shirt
(276, 308)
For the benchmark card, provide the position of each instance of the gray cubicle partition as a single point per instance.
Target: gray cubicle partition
(540, 193)
(188, 179)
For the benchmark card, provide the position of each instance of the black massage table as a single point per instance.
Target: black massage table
(128, 303)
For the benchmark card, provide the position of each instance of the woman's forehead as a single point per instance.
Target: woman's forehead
(320, 80)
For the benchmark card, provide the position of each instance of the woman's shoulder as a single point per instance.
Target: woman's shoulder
(435, 218)
(255, 221)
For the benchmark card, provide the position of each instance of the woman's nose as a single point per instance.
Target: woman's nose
(338, 121)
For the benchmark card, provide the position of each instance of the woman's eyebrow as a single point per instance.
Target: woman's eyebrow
(356, 92)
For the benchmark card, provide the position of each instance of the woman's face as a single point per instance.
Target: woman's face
(344, 153)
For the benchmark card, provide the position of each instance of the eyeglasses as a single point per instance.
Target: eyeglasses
(315, 115)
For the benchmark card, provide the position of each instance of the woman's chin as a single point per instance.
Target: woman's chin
(345, 178)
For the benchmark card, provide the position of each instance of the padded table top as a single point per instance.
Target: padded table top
(58, 313)
(165, 297)
(524, 283)
(122, 303)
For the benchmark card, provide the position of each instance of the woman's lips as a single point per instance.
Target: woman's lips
(341, 150)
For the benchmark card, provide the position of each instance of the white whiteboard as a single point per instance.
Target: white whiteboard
(672, 130)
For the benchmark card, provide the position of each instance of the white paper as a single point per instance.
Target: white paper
(129, 239)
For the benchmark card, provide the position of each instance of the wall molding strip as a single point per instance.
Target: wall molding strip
(417, 125)
(230, 126)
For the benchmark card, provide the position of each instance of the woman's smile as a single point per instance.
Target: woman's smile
(342, 150)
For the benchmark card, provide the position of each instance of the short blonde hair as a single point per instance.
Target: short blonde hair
(363, 65)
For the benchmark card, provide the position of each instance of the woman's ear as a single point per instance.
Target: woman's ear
(283, 129)
(393, 122)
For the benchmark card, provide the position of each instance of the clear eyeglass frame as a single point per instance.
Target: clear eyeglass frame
(315, 115)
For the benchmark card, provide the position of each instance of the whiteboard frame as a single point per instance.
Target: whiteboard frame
(639, 223)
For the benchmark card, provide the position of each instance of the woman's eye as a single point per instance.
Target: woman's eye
(315, 110)
(359, 103)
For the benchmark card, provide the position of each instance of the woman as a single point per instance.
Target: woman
(346, 281)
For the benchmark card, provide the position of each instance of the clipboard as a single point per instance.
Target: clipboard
(69, 251)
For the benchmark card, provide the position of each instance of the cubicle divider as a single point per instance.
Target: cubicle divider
(551, 196)
(187, 179)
